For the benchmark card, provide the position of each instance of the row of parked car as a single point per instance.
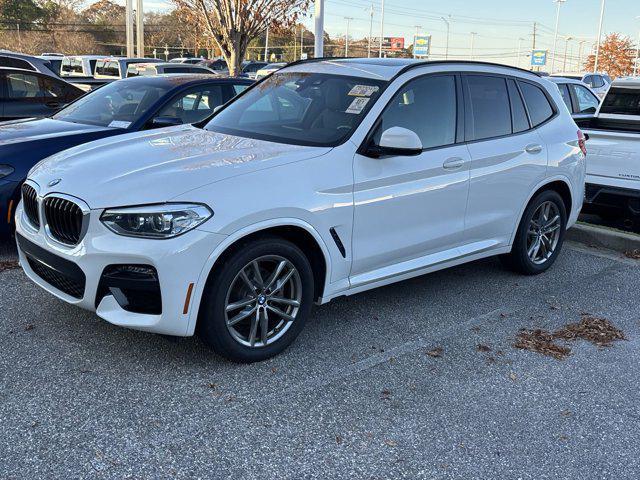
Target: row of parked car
(39, 86)
(325, 179)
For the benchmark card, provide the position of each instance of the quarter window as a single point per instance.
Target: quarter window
(490, 115)
(540, 109)
(427, 106)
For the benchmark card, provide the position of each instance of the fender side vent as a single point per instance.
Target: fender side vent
(336, 238)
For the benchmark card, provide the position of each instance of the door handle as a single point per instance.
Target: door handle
(453, 163)
(533, 148)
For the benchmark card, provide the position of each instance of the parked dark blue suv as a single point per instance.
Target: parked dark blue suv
(121, 107)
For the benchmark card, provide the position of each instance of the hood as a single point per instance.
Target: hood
(158, 165)
(42, 129)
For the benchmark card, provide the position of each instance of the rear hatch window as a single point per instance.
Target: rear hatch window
(621, 101)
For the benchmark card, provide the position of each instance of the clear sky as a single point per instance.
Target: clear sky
(499, 24)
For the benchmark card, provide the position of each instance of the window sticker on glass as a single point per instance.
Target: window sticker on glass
(357, 105)
(363, 90)
(119, 124)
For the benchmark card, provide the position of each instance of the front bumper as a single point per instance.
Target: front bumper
(178, 262)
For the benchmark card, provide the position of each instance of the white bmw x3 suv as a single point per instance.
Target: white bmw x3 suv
(326, 179)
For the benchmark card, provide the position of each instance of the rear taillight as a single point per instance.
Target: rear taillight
(582, 142)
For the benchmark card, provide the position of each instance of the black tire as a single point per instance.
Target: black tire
(212, 323)
(518, 259)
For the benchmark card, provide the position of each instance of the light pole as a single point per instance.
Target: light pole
(595, 63)
(580, 43)
(301, 41)
(417, 27)
(128, 11)
(370, 30)
(381, 26)
(520, 40)
(555, 35)
(346, 37)
(446, 48)
(266, 45)
(318, 49)
(473, 38)
(140, 28)
(566, 47)
(635, 65)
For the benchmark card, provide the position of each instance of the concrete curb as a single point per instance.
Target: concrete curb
(592, 235)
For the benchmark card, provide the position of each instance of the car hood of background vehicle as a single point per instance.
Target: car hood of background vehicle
(158, 165)
(30, 129)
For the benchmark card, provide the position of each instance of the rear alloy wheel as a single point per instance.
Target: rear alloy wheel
(540, 235)
(257, 302)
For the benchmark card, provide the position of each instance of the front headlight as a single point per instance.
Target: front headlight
(156, 221)
(6, 170)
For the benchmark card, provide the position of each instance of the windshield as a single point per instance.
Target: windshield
(624, 101)
(118, 104)
(300, 108)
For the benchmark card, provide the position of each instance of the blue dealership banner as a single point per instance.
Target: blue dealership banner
(538, 58)
(422, 45)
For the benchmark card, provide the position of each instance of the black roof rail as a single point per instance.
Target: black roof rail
(419, 63)
(466, 62)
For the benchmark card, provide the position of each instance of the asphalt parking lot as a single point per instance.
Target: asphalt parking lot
(357, 396)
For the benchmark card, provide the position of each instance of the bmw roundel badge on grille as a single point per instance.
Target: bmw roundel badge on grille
(54, 182)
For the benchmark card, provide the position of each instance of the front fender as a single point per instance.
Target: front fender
(240, 233)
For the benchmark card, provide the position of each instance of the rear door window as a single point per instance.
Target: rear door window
(195, 105)
(15, 63)
(540, 110)
(108, 69)
(489, 112)
(21, 86)
(566, 96)
(587, 101)
(518, 112)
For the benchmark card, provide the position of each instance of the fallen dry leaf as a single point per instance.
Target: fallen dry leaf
(541, 341)
(338, 439)
(385, 394)
(634, 254)
(9, 265)
(436, 352)
(28, 326)
(483, 348)
(598, 331)
(513, 376)
(390, 443)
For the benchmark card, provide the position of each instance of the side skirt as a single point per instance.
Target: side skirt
(419, 266)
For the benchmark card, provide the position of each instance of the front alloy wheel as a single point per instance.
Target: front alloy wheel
(257, 300)
(263, 301)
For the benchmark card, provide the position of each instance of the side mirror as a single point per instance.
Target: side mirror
(160, 122)
(397, 141)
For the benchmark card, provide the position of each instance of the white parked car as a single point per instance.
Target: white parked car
(268, 69)
(581, 101)
(597, 82)
(326, 179)
(613, 166)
